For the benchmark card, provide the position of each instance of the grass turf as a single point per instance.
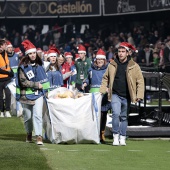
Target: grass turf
(156, 102)
(137, 155)
(15, 153)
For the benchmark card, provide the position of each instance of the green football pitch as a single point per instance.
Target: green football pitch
(141, 154)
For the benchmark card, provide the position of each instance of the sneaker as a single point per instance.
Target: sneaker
(2, 114)
(115, 139)
(39, 140)
(19, 113)
(7, 114)
(123, 140)
(29, 137)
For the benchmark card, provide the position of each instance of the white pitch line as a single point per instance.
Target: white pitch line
(135, 150)
(72, 150)
(45, 149)
(101, 150)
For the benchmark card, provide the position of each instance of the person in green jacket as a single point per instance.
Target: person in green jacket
(82, 65)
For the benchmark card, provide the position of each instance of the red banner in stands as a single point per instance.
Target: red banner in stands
(52, 9)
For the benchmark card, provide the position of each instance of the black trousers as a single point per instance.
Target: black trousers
(167, 69)
(5, 104)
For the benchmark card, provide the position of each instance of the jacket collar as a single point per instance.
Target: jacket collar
(131, 63)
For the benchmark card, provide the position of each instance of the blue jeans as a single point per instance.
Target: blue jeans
(120, 108)
(33, 116)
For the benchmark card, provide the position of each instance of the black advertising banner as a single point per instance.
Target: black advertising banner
(58, 8)
(158, 5)
(77, 8)
(119, 7)
(2, 9)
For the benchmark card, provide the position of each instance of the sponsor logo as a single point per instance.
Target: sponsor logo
(159, 3)
(124, 6)
(22, 8)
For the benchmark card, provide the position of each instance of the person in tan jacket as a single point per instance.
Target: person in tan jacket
(124, 83)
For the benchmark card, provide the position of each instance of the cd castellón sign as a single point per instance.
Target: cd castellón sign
(55, 8)
(62, 8)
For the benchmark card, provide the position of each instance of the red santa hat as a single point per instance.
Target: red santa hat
(8, 43)
(53, 52)
(17, 50)
(81, 49)
(29, 47)
(77, 57)
(101, 54)
(68, 54)
(39, 50)
(45, 53)
(128, 46)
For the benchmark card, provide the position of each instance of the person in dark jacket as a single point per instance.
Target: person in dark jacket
(166, 56)
(145, 56)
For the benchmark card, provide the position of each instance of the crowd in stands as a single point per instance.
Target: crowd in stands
(150, 43)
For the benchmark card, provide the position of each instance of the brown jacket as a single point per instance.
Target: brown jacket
(134, 79)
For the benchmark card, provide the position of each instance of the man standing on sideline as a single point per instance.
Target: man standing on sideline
(82, 65)
(13, 57)
(6, 74)
(166, 56)
(123, 80)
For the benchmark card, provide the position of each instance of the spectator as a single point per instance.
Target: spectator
(143, 40)
(40, 53)
(17, 40)
(89, 52)
(156, 59)
(167, 56)
(161, 55)
(146, 56)
(122, 37)
(110, 53)
(46, 41)
(130, 39)
(37, 39)
(56, 36)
